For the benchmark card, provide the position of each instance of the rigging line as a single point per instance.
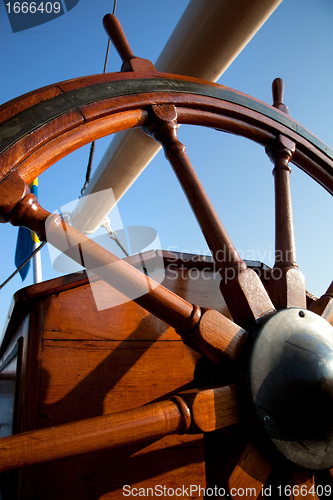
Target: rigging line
(109, 41)
(113, 234)
(107, 56)
(89, 167)
(114, 237)
(92, 147)
(22, 265)
(114, 7)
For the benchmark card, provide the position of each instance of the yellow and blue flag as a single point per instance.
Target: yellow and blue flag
(26, 240)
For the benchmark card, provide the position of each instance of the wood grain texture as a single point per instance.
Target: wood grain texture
(116, 33)
(200, 410)
(303, 485)
(324, 305)
(216, 408)
(186, 278)
(250, 474)
(172, 462)
(312, 156)
(308, 155)
(217, 336)
(96, 434)
(22, 149)
(130, 282)
(246, 297)
(21, 103)
(112, 374)
(87, 378)
(288, 283)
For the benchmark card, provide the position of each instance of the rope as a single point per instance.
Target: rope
(22, 265)
(89, 167)
(113, 234)
(92, 147)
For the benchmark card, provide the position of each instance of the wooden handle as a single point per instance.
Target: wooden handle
(278, 91)
(93, 434)
(116, 33)
(209, 409)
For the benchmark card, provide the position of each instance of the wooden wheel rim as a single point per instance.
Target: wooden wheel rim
(48, 128)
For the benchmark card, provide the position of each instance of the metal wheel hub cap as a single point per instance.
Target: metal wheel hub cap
(291, 384)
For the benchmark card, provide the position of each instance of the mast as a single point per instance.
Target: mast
(208, 37)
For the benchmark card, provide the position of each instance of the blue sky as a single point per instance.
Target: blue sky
(296, 44)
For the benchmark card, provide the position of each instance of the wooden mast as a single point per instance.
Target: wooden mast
(207, 38)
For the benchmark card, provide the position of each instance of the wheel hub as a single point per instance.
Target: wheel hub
(291, 383)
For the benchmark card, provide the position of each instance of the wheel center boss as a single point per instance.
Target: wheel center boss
(291, 384)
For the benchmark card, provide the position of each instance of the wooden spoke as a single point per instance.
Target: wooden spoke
(164, 130)
(303, 485)
(245, 296)
(224, 450)
(116, 33)
(250, 474)
(288, 285)
(214, 409)
(200, 410)
(216, 335)
(324, 305)
(240, 285)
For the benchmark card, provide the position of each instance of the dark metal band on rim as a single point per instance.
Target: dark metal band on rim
(29, 120)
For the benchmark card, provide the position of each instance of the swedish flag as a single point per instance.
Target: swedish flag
(26, 241)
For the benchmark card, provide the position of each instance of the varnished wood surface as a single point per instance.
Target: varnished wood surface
(130, 282)
(217, 336)
(324, 305)
(64, 321)
(303, 484)
(116, 33)
(289, 290)
(205, 291)
(250, 474)
(163, 127)
(97, 434)
(310, 155)
(198, 410)
(83, 115)
(21, 103)
(112, 374)
(101, 367)
(170, 462)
